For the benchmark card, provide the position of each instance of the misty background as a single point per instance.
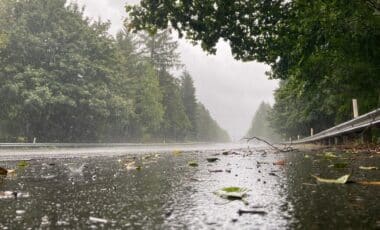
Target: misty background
(231, 90)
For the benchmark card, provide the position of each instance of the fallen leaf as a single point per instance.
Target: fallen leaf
(368, 182)
(212, 159)
(193, 164)
(11, 171)
(132, 166)
(3, 171)
(98, 220)
(340, 180)
(368, 168)
(241, 212)
(13, 194)
(22, 164)
(329, 155)
(177, 153)
(232, 193)
(215, 171)
(280, 162)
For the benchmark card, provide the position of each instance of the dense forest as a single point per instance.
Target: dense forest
(64, 78)
(324, 52)
(261, 126)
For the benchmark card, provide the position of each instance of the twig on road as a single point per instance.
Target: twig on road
(285, 149)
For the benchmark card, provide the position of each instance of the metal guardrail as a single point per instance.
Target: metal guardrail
(357, 124)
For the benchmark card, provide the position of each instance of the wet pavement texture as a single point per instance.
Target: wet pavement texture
(161, 191)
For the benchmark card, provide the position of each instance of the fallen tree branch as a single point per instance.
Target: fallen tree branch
(285, 149)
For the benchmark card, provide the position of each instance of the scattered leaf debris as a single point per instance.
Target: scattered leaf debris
(280, 162)
(193, 163)
(232, 193)
(212, 159)
(3, 171)
(340, 180)
(368, 168)
(258, 212)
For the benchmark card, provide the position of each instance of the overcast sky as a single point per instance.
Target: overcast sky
(231, 90)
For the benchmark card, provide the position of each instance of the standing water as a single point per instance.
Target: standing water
(177, 189)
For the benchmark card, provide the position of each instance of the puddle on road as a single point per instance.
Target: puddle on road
(163, 191)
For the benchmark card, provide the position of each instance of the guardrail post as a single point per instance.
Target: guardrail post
(311, 132)
(355, 107)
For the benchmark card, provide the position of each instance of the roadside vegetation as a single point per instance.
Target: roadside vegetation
(64, 78)
(260, 125)
(324, 52)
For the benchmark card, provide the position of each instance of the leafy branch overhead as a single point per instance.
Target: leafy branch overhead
(325, 52)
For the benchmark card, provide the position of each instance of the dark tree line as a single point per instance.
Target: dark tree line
(324, 52)
(260, 125)
(64, 78)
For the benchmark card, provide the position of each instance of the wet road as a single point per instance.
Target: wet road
(161, 191)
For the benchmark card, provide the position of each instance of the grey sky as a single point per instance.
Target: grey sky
(230, 89)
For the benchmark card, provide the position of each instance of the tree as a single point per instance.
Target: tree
(160, 50)
(55, 72)
(64, 78)
(189, 102)
(260, 126)
(207, 128)
(140, 85)
(176, 123)
(251, 27)
(326, 52)
(3, 35)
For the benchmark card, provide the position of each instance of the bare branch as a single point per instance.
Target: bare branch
(285, 149)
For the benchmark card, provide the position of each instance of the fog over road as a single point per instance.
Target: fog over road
(68, 150)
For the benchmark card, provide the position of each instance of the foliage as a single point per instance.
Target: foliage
(260, 126)
(326, 52)
(232, 193)
(189, 102)
(207, 128)
(64, 78)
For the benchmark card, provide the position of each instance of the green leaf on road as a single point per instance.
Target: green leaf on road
(22, 164)
(329, 155)
(193, 164)
(232, 193)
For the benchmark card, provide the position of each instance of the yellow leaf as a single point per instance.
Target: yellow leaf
(340, 180)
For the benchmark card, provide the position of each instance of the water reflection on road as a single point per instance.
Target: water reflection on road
(163, 191)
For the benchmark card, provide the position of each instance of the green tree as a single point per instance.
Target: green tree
(260, 126)
(3, 35)
(160, 49)
(141, 86)
(55, 72)
(326, 52)
(250, 27)
(176, 124)
(207, 128)
(189, 102)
